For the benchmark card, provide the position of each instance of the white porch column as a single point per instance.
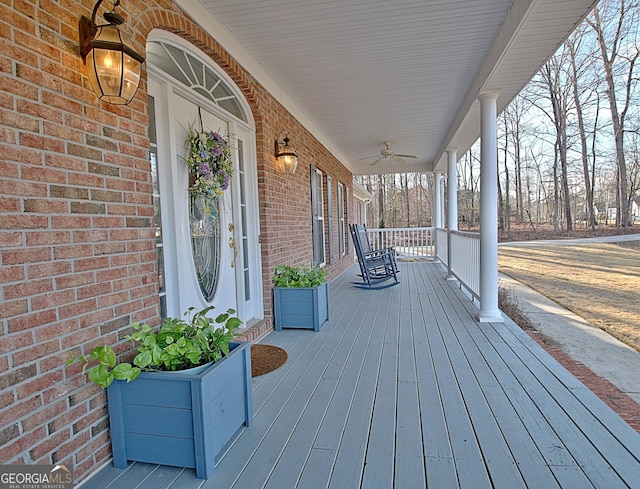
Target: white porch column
(489, 311)
(437, 200)
(452, 205)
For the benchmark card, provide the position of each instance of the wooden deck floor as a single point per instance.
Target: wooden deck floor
(403, 388)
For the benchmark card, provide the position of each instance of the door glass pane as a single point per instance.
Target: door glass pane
(244, 241)
(192, 73)
(205, 242)
(157, 217)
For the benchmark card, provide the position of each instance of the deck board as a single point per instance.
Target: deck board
(403, 388)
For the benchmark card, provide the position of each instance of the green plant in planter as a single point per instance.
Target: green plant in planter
(286, 276)
(178, 345)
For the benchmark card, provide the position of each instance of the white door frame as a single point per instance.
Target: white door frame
(248, 269)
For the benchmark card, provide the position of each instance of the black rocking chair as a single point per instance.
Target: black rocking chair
(376, 266)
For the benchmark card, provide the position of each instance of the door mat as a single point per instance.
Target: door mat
(265, 358)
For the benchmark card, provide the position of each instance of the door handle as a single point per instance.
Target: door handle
(232, 244)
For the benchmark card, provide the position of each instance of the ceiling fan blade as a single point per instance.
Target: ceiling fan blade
(377, 161)
(406, 156)
(368, 157)
(398, 160)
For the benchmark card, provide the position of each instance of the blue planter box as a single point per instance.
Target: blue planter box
(181, 419)
(305, 308)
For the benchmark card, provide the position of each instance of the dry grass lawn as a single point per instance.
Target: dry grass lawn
(599, 282)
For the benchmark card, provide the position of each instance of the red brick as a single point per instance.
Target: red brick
(9, 204)
(109, 248)
(112, 299)
(127, 259)
(71, 414)
(53, 299)
(8, 135)
(8, 169)
(38, 110)
(108, 222)
(128, 308)
(91, 236)
(112, 273)
(36, 352)
(21, 409)
(65, 161)
(70, 222)
(30, 255)
(120, 184)
(13, 308)
(16, 86)
(46, 206)
(6, 399)
(96, 290)
(73, 251)
(31, 320)
(67, 449)
(62, 132)
(16, 341)
(27, 289)
(19, 121)
(39, 174)
(41, 142)
(23, 188)
(61, 102)
(23, 222)
(10, 239)
(49, 444)
(123, 234)
(55, 330)
(50, 269)
(74, 280)
(36, 238)
(85, 180)
(60, 390)
(77, 308)
(98, 317)
(93, 263)
(95, 417)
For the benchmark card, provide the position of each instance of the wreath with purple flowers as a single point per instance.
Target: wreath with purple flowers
(210, 166)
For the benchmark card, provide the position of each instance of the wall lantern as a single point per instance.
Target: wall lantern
(286, 154)
(112, 64)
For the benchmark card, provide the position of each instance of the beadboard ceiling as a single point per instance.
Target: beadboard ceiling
(357, 73)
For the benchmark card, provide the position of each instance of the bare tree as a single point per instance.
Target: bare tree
(616, 26)
(573, 45)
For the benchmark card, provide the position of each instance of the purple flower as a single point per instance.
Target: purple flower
(218, 138)
(205, 170)
(225, 180)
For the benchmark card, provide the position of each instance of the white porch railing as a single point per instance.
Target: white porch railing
(421, 243)
(441, 248)
(408, 242)
(465, 264)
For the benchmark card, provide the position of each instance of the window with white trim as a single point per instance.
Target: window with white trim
(341, 226)
(317, 212)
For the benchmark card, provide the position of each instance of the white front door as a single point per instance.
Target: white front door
(206, 259)
(205, 244)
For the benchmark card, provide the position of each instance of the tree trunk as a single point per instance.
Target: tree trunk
(588, 190)
(609, 54)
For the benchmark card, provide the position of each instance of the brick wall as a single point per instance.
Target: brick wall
(77, 246)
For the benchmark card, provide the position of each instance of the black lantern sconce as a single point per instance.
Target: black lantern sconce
(286, 154)
(112, 64)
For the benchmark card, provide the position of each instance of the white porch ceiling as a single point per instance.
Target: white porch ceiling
(357, 73)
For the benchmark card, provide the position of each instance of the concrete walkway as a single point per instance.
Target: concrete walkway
(583, 342)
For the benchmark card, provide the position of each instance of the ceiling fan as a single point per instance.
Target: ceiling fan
(388, 154)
